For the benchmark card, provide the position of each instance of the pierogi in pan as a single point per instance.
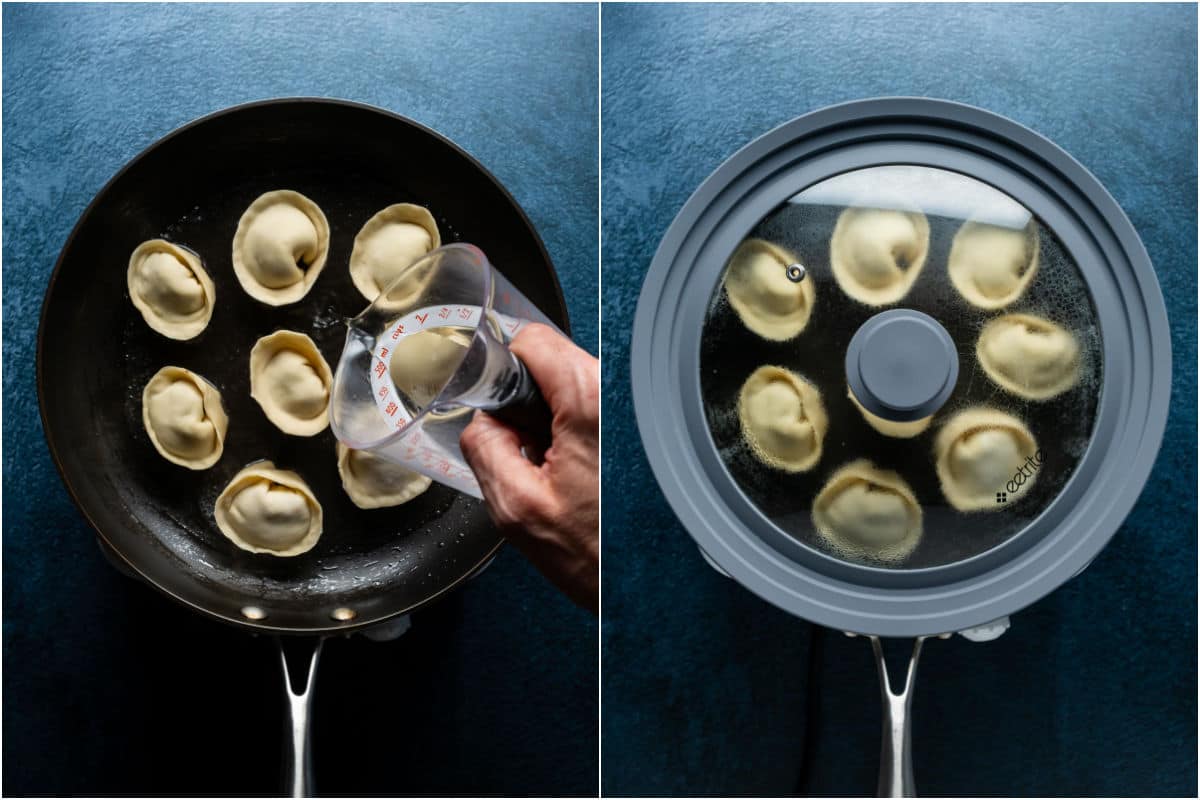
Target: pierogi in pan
(183, 415)
(280, 247)
(389, 243)
(876, 254)
(423, 363)
(1028, 356)
(169, 286)
(269, 510)
(896, 430)
(982, 454)
(991, 265)
(868, 512)
(374, 482)
(783, 419)
(291, 382)
(766, 300)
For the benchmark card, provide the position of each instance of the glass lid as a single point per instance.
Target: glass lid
(901, 366)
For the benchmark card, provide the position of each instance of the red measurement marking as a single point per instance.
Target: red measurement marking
(400, 423)
(379, 369)
(383, 392)
(445, 312)
(465, 313)
(506, 297)
(398, 332)
(444, 466)
(383, 351)
(391, 408)
(422, 317)
(512, 326)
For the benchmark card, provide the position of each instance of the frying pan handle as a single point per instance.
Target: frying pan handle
(297, 750)
(895, 753)
(527, 411)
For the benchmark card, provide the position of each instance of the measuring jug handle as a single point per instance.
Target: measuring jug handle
(528, 412)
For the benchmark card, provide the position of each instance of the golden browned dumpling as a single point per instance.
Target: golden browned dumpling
(269, 510)
(783, 419)
(991, 265)
(280, 247)
(168, 284)
(876, 254)
(184, 417)
(978, 452)
(765, 299)
(867, 511)
(291, 382)
(374, 482)
(1028, 356)
(389, 242)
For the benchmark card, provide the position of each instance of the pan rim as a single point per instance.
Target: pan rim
(266, 625)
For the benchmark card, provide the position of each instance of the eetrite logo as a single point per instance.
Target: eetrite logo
(1023, 474)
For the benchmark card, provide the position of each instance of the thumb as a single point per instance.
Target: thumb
(493, 450)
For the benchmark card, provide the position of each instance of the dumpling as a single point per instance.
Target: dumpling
(985, 458)
(991, 265)
(291, 381)
(1028, 356)
(876, 254)
(783, 419)
(868, 512)
(390, 241)
(765, 299)
(269, 510)
(898, 430)
(280, 247)
(423, 363)
(184, 417)
(374, 482)
(168, 284)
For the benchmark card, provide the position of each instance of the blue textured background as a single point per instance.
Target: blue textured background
(708, 690)
(111, 689)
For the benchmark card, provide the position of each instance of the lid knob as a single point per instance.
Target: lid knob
(901, 365)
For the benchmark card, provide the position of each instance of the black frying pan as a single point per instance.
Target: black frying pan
(95, 355)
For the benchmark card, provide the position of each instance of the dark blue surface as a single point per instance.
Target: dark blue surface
(707, 690)
(108, 687)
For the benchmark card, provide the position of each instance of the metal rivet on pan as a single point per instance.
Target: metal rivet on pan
(343, 614)
(795, 272)
(253, 612)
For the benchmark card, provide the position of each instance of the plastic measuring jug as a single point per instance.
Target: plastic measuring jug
(431, 349)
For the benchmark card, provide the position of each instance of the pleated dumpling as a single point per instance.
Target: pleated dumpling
(423, 363)
(391, 241)
(291, 382)
(183, 415)
(978, 453)
(169, 286)
(783, 419)
(897, 430)
(766, 300)
(876, 254)
(280, 247)
(269, 510)
(1029, 356)
(868, 512)
(374, 482)
(991, 265)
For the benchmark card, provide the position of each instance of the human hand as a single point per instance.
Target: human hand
(551, 511)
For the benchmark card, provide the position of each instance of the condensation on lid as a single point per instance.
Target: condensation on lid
(904, 187)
